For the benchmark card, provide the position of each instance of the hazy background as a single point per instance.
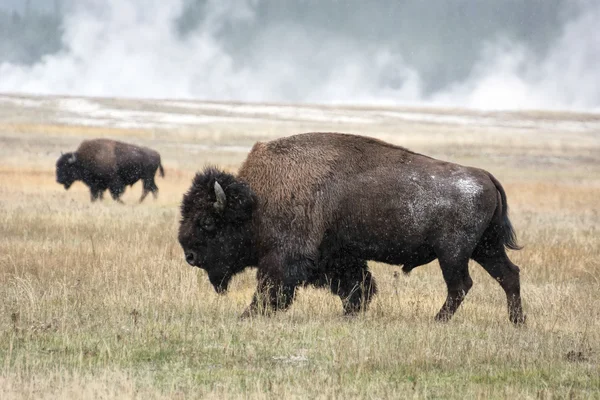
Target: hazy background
(492, 54)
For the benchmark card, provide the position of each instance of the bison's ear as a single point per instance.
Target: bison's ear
(72, 159)
(221, 198)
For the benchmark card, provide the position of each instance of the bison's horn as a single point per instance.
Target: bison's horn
(221, 198)
(72, 159)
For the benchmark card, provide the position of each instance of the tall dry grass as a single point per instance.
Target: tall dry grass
(97, 301)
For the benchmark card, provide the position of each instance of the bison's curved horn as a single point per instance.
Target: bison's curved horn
(221, 198)
(72, 159)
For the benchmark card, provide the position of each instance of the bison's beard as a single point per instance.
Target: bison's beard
(67, 185)
(220, 282)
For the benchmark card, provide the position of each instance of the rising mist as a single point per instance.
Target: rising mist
(484, 54)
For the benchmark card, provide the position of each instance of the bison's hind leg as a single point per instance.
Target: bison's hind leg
(96, 194)
(154, 189)
(455, 270)
(493, 258)
(149, 186)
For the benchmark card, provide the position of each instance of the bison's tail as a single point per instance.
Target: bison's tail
(161, 169)
(507, 232)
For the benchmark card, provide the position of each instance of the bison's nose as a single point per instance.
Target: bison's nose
(190, 257)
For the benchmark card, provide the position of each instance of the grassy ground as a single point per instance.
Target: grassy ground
(97, 301)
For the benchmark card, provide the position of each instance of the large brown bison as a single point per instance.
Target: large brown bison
(108, 164)
(313, 208)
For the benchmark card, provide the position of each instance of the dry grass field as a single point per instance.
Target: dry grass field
(98, 302)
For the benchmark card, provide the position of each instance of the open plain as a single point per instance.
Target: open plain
(98, 302)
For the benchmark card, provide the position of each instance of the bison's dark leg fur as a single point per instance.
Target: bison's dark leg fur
(116, 189)
(269, 298)
(355, 285)
(96, 194)
(149, 186)
(275, 290)
(357, 297)
(144, 194)
(499, 266)
(458, 281)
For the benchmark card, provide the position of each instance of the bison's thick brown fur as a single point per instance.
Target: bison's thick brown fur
(313, 208)
(108, 164)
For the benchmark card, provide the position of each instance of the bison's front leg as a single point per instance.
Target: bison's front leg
(360, 295)
(355, 285)
(268, 298)
(278, 277)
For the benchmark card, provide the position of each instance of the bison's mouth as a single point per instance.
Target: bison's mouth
(67, 185)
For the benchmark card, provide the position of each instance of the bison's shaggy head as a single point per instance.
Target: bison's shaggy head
(67, 169)
(216, 226)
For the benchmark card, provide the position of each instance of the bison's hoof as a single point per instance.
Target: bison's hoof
(253, 312)
(443, 317)
(247, 314)
(352, 312)
(518, 320)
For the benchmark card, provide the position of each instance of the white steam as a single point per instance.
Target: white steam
(129, 48)
(507, 75)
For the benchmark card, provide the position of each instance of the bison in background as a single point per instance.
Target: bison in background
(108, 164)
(313, 208)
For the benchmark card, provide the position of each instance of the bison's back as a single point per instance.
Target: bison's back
(107, 159)
(304, 164)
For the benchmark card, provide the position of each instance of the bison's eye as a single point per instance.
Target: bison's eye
(207, 224)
